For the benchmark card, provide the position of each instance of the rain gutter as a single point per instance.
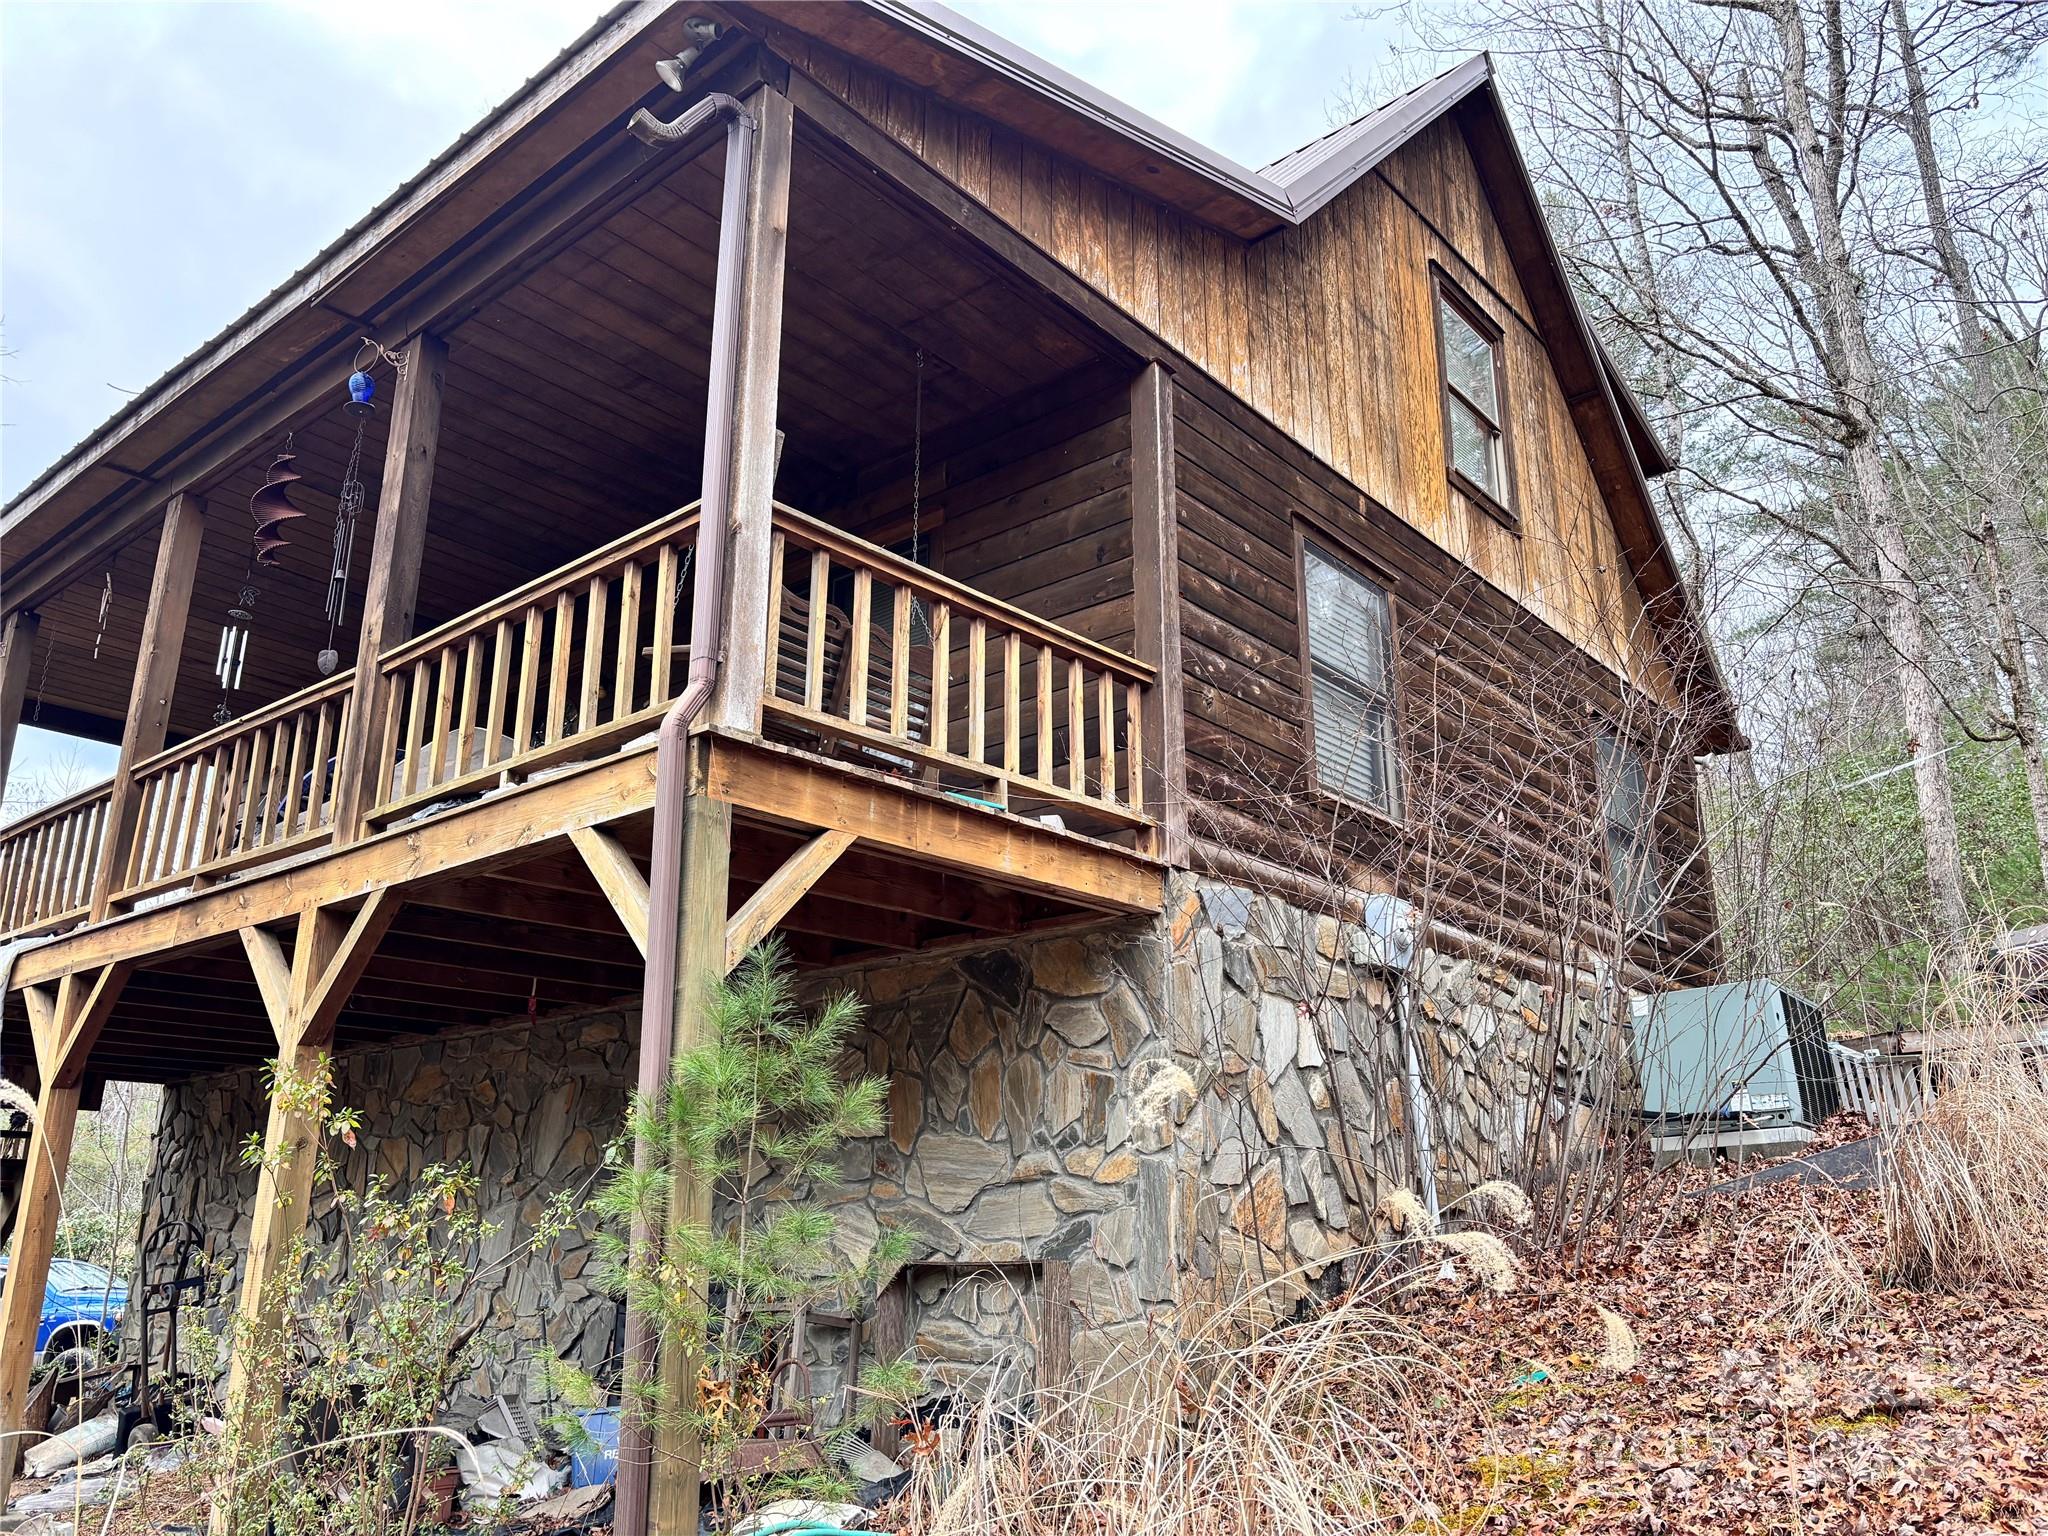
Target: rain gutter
(672, 757)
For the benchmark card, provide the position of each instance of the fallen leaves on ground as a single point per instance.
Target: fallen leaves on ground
(1924, 1413)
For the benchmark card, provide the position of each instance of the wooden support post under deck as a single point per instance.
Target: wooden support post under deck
(65, 1023)
(17, 650)
(156, 676)
(303, 995)
(362, 776)
(1155, 570)
(700, 919)
(743, 675)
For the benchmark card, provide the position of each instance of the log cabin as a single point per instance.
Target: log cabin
(819, 470)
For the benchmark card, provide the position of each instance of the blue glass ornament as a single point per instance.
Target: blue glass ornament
(360, 388)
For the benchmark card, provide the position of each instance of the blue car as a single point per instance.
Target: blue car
(82, 1306)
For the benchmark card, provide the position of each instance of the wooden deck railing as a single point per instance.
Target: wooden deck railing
(582, 658)
(239, 794)
(906, 670)
(48, 860)
(873, 660)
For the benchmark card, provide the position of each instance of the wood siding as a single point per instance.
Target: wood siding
(1033, 507)
(1497, 713)
(1327, 330)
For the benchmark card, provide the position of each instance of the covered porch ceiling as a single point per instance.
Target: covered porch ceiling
(573, 413)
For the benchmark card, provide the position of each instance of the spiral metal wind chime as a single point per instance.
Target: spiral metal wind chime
(271, 509)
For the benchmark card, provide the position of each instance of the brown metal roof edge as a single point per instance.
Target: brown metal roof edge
(273, 305)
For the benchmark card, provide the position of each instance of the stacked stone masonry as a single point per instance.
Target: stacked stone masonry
(1178, 1109)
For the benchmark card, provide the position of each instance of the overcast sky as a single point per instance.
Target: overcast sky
(163, 166)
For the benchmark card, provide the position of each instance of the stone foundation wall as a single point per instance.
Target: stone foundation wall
(1177, 1110)
(529, 1105)
(1290, 1023)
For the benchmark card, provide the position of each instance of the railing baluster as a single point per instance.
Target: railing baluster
(1077, 729)
(590, 701)
(857, 648)
(664, 626)
(941, 728)
(563, 641)
(529, 682)
(465, 733)
(778, 557)
(814, 634)
(438, 770)
(320, 787)
(494, 703)
(295, 776)
(1013, 702)
(626, 677)
(1134, 745)
(977, 689)
(1105, 710)
(1044, 670)
(899, 663)
(415, 728)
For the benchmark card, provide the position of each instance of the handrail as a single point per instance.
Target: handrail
(908, 572)
(340, 683)
(56, 809)
(636, 542)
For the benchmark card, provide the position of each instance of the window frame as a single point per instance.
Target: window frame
(1340, 551)
(1446, 292)
(1625, 749)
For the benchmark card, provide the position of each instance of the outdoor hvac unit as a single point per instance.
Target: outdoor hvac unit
(1720, 1062)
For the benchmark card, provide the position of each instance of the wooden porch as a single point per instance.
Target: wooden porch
(997, 758)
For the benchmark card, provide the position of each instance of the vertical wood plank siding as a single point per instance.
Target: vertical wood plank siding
(1328, 331)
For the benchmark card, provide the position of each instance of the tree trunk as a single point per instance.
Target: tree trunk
(1998, 441)
(1819, 167)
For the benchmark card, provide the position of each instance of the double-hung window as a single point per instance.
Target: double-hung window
(1351, 687)
(1630, 817)
(1475, 416)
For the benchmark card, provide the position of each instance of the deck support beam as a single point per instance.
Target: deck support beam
(156, 677)
(619, 878)
(65, 1021)
(393, 588)
(303, 996)
(17, 650)
(769, 904)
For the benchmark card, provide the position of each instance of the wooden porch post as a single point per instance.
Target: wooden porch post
(700, 919)
(303, 996)
(743, 674)
(17, 648)
(64, 1023)
(394, 583)
(156, 677)
(1155, 561)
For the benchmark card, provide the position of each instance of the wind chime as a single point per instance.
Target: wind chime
(362, 390)
(270, 509)
(106, 608)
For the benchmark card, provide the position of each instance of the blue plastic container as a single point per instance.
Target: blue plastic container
(599, 1464)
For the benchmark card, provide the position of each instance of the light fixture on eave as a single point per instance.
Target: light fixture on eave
(702, 32)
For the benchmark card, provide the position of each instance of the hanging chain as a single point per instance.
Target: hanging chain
(106, 607)
(920, 622)
(917, 464)
(43, 682)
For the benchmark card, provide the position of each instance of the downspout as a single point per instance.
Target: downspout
(671, 761)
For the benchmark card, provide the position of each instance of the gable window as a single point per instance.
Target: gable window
(1630, 818)
(1475, 432)
(1351, 689)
